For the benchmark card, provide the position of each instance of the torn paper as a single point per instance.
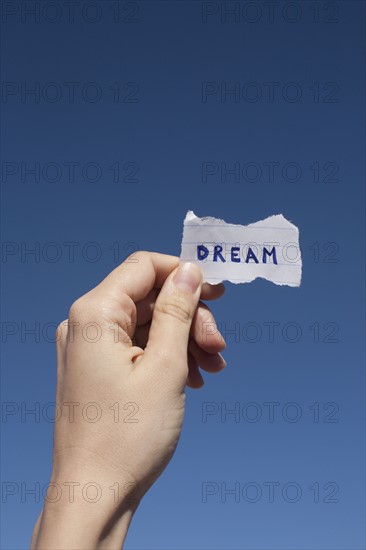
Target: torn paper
(240, 253)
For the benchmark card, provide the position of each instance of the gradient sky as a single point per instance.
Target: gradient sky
(138, 113)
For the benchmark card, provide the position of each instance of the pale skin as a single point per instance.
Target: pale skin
(148, 335)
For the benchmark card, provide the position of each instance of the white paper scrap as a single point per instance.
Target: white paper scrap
(240, 253)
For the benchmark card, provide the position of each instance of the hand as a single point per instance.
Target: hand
(125, 355)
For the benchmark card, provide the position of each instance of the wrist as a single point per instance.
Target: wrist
(86, 514)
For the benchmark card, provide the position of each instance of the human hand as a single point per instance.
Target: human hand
(125, 355)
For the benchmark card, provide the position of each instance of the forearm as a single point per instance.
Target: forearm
(83, 521)
(75, 532)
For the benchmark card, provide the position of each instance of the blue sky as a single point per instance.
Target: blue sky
(111, 117)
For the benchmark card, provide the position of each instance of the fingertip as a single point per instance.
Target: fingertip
(212, 292)
(194, 378)
(215, 363)
(188, 277)
(195, 384)
(205, 331)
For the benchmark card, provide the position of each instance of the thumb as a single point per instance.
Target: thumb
(173, 313)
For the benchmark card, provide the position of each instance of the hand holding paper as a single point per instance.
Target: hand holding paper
(240, 253)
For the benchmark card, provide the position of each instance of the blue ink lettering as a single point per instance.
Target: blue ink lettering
(251, 256)
(234, 254)
(217, 253)
(272, 253)
(202, 252)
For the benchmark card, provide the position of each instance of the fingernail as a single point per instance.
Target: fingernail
(223, 362)
(188, 277)
(223, 341)
(220, 361)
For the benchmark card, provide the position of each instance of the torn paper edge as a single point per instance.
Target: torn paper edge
(207, 220)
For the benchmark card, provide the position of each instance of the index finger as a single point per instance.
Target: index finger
(139, 274)
(143, 271)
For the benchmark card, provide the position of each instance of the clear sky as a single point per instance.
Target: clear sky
(141, 111)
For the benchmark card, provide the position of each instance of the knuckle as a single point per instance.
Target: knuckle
(84, 309)
(75, 310)
(121, 310)
(61, 332)
(137, 256)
